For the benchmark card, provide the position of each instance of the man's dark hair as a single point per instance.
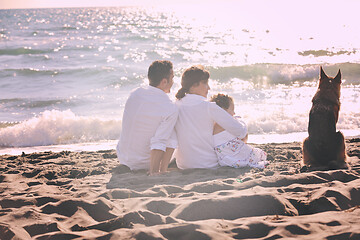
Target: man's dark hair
(159, 70)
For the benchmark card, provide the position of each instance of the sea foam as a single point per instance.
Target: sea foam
(58, 127)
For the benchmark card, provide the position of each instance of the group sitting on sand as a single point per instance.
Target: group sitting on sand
(204, 133)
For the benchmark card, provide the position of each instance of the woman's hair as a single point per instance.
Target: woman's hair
(192, 76)
(222, 100)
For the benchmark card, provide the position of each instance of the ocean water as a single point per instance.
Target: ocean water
(65, 74)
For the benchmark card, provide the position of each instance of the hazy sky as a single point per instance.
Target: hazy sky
(332, 6)
(7, 4)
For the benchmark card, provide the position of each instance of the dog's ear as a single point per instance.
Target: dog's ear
(322, 74)
(338, 77)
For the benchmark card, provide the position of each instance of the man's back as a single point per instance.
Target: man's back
(148, 120)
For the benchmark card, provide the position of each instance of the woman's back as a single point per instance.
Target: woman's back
(194, 127)
(194, 132)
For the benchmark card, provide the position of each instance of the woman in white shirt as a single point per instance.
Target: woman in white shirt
(197, 116)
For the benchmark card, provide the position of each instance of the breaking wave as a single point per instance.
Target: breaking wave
(58, 127)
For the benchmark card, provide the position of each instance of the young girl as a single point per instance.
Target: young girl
(231, 150)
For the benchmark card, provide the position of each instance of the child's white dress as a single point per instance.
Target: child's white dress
(233, 152)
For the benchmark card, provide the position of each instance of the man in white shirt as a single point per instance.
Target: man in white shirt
(148, 121)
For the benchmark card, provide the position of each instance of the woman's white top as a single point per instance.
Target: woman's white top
(194, 129)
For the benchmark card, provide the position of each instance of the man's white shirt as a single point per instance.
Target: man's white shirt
(148, 121)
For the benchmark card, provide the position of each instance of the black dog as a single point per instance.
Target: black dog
(325, 147)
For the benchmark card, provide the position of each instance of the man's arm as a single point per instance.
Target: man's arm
(159, 160)
(156, 156)
(166, 159)
(161, 142)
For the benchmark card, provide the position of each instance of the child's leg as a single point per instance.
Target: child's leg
(258, 158)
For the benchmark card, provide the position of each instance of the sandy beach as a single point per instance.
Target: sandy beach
(86, 195)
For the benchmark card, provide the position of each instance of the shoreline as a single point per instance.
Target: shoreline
(254, 139)
(85, 195)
